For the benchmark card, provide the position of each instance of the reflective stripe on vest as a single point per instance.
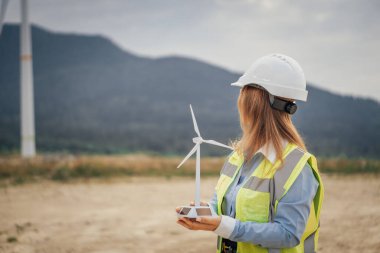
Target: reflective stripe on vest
(283, 174)
(263, 189)
(278, 181)
(309, 243)
(229, 169)
(257, 184)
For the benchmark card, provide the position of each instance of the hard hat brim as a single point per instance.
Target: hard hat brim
(237, 84)
(279, 90)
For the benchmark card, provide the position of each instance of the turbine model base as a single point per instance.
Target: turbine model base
(195, 211)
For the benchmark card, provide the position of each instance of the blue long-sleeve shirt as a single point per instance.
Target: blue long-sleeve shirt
(291, 217)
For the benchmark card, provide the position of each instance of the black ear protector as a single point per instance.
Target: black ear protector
(278, 103)
(282, 105)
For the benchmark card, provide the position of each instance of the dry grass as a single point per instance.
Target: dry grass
(348, 166)
(64, 167)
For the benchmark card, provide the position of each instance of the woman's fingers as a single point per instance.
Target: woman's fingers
(187, 221)
(193, 225)
(215, 221)
(182, 223)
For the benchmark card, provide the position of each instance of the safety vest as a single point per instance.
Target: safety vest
(257, 199)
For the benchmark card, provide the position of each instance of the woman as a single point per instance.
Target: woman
(269, 194)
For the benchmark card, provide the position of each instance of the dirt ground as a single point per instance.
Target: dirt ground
(137, 215)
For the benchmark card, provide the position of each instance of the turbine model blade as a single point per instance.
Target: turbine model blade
(217, 144)
(3, 10)
(194, 122)
(189, 154)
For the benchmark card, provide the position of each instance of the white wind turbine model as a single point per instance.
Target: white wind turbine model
(197, 209)
(28, 146)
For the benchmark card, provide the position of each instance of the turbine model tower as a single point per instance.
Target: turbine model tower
(197, 210)
(28, 146)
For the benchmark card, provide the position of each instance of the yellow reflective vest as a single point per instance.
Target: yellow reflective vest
(257, 199)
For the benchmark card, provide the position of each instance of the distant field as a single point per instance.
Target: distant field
(13, 169)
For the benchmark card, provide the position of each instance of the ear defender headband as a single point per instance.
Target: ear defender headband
(278, 103)
(282, 105)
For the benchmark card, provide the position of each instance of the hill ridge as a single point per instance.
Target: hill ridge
(93, 96)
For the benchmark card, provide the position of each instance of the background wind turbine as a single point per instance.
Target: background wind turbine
(198, 141)
(28, 145)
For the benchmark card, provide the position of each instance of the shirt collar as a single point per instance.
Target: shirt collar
(269, 151)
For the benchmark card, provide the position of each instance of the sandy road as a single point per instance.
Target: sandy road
(137, 215)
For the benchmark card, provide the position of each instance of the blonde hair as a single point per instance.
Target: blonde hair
(262, 125)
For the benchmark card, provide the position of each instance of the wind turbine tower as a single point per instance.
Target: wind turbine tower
(28, 145)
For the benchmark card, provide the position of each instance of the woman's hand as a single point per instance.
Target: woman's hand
(201, 223)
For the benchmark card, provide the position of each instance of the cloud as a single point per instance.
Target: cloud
(335, 41)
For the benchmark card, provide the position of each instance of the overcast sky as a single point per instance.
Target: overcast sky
(336, 42)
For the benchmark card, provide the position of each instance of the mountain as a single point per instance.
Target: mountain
(92, 96)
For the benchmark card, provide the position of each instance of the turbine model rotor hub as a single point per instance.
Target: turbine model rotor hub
(197, 140)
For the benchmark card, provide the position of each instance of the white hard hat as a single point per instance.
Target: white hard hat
(279, 74)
